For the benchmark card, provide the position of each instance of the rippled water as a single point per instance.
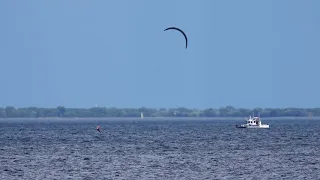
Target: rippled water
(210, 149)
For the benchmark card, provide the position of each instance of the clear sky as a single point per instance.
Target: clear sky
(79, 53)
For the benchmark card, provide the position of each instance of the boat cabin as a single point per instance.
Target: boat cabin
(254, 121)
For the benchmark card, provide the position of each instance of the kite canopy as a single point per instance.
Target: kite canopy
(185, 36)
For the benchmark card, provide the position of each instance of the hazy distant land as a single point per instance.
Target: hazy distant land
(228, 112)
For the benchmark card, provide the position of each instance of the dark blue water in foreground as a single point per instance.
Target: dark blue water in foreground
(210, 149)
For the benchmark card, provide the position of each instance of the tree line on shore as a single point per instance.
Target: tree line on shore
(228, 111)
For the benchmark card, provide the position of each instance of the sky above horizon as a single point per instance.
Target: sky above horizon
(116, 53)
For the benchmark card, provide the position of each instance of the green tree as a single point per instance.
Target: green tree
(10, 111)
(61, 110)
(2, 113)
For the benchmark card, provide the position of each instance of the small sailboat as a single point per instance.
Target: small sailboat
(141, 115)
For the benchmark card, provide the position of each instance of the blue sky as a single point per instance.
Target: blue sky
(115, 53)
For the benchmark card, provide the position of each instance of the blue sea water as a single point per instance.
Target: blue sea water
(163, 149)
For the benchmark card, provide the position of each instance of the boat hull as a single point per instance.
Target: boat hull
(262, 126)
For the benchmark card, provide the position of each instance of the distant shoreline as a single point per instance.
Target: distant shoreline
(156, 118)
(160, 113)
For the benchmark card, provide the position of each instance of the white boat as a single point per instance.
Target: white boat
(254, 122)
(141, 115)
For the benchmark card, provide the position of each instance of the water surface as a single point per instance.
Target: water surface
(163, 149)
